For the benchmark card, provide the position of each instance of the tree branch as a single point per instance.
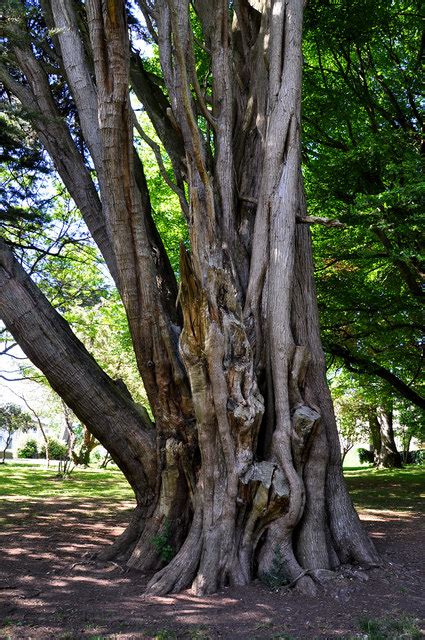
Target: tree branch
(50, 344)
(327, 222)
(37, 100)
(365, 365)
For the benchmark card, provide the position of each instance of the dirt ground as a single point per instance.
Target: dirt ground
(48, 590)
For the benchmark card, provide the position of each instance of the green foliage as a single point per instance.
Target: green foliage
(351, 410)
(22, 166)
(161, 542)
(57, 450)
(365, 456)
(13, 418)
(275, 577)
(103, 328)
(416, 457)
(29, 449)
(362, 165)
(412, 424)
(165, 203)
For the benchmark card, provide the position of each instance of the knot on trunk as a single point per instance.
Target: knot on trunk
(304, 420)
(269, 475)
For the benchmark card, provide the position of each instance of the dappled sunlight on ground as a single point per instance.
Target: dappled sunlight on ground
(383, 515)
(50, 586)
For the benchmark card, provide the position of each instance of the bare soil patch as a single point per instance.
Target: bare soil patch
(49, 589)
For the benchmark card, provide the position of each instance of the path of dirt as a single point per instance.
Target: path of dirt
(46, 592)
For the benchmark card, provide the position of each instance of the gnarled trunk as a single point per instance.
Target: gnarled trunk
(242, 468)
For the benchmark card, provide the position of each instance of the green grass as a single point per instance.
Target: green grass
(392, 489)
(389, 629)
(398, 489)
(34, 482)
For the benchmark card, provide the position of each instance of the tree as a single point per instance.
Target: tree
(12, 419)
(241, 461)
(348, 409)
(367, 409)
(363, 152)
(40, 426)
(78, 435)
(411, 425)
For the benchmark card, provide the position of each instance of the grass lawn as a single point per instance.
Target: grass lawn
(30, 481)
(387, 489)
(398, 489)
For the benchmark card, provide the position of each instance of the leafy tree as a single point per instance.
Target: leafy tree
(349, 409)
(369, 410)
(363, 165)
(57, 450)
(241, 456)
(12, 419)
(411, 425)
(29, 449)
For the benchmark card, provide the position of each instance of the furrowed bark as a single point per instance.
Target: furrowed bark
(145, 291)
(346, 539)
(77, 69)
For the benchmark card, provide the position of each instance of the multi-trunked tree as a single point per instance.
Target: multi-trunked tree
(241, 463)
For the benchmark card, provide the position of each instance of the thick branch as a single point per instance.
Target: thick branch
(327, 222)
(78, 74)
(141, 259)
(46, 338)
(55, 137)
(365, 365)
(158, 109)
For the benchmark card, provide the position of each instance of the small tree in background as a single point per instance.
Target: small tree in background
(13, 419)
(349, 411)
(29, 449)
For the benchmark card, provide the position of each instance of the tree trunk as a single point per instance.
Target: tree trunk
(375, 434)
(8, 441)
(345, 449)
(388, 456)
(242, 467)
(406, 440)
(42, 431)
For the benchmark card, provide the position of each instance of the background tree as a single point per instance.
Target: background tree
(12, 420)
(40, 425)
(363, 165)
(366, 408)
(349, 409)
(411, 426)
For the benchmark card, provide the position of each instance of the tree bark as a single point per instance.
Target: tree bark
(388, 455)
(242, 466)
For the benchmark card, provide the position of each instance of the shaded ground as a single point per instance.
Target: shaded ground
(48, 588)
